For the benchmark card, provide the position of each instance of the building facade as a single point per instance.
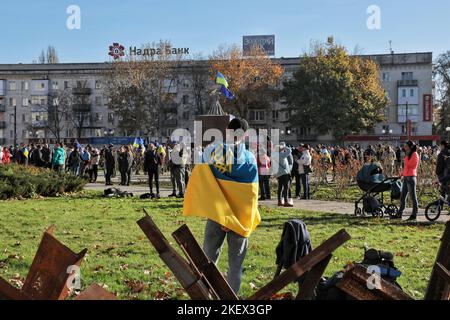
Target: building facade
(26, 88)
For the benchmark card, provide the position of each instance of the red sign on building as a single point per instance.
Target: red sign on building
(427, 107)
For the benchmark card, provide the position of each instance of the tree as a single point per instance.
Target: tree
(51, 56)
(442, 75)
(253, 79)
(199, 73)
(80, 107)
(333, 92)
(59, 106)
(141, 89)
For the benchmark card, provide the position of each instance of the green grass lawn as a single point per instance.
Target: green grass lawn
(121, 257)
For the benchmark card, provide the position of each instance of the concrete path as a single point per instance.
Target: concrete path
(139, 187)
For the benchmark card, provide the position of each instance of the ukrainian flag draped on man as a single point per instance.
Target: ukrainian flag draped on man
(224, 188)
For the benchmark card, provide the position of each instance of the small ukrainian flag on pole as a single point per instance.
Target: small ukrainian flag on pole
(220, 79)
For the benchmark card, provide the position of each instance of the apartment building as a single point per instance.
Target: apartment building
(26, 88)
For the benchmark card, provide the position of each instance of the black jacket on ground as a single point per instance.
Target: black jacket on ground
(295, 243)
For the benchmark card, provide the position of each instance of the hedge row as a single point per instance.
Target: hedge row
(27, 182)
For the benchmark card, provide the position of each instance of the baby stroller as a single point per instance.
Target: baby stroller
(371, 180)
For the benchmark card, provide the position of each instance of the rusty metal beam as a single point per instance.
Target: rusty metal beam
(95, 292)
(354, 283)
(302, 266)
(182, 270)
(203, 265)
(309, 284)
(48, 274)
(438, 288)
(8, 292)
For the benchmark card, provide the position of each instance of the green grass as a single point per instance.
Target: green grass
(120, 256)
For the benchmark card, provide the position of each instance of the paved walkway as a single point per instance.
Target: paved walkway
(139, 187)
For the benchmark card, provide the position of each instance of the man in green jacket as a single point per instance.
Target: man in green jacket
(59, 158)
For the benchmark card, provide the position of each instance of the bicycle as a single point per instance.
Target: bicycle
(433, 210)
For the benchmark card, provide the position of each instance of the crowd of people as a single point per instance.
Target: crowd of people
(294, 165)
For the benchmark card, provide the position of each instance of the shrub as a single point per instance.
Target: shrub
(26, 182)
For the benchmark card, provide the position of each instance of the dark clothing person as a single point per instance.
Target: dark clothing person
(264, 187)
(152, 163)
(36, 157)
(110, 164)
(46, 156)
(125, 166)
(283, 186)
(74, 161)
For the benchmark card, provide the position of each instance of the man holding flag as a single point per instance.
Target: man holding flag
(224, 189)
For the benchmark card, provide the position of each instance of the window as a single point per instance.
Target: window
(40, 86)
(98, 101)
(257, 115)
(24, 118)
(98, 132)
(12, 102)
(304, 131)
(98, 84)
(98, 117)
(411, 92)
(404, 93)
(55, 85)
(413, 110)
(186, 115)
(11, 118)
(413, 128)
(66, 84)
(386, 77)
(275, 114)
(25, 86)
(24, 102)
(39, 100)
(407, 75)
(11, 134)
(185, 99)
(12, 86)
(111, 117)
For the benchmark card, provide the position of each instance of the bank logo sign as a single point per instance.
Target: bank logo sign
(116, 50)
(266, 42)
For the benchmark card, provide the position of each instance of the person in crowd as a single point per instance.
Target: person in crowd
(152, 165)
(263, 162)
(178, 167)
(295, 174)
(6, 156)
(283, 175)
(46, 156)
(59, 158)
(443, 166)
(409, 176)
(36, 157)
(171, 168)
(109, 164)
(86, 158)
(304, 168)
(398, 160)
(74, 161)
(389, 161)
(93, 164)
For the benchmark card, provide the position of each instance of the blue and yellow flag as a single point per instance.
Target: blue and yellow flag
(225, 191)
(227, 93)
(220, 79)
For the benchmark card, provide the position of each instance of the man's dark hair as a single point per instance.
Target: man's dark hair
(444, 143)
(238, 123)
